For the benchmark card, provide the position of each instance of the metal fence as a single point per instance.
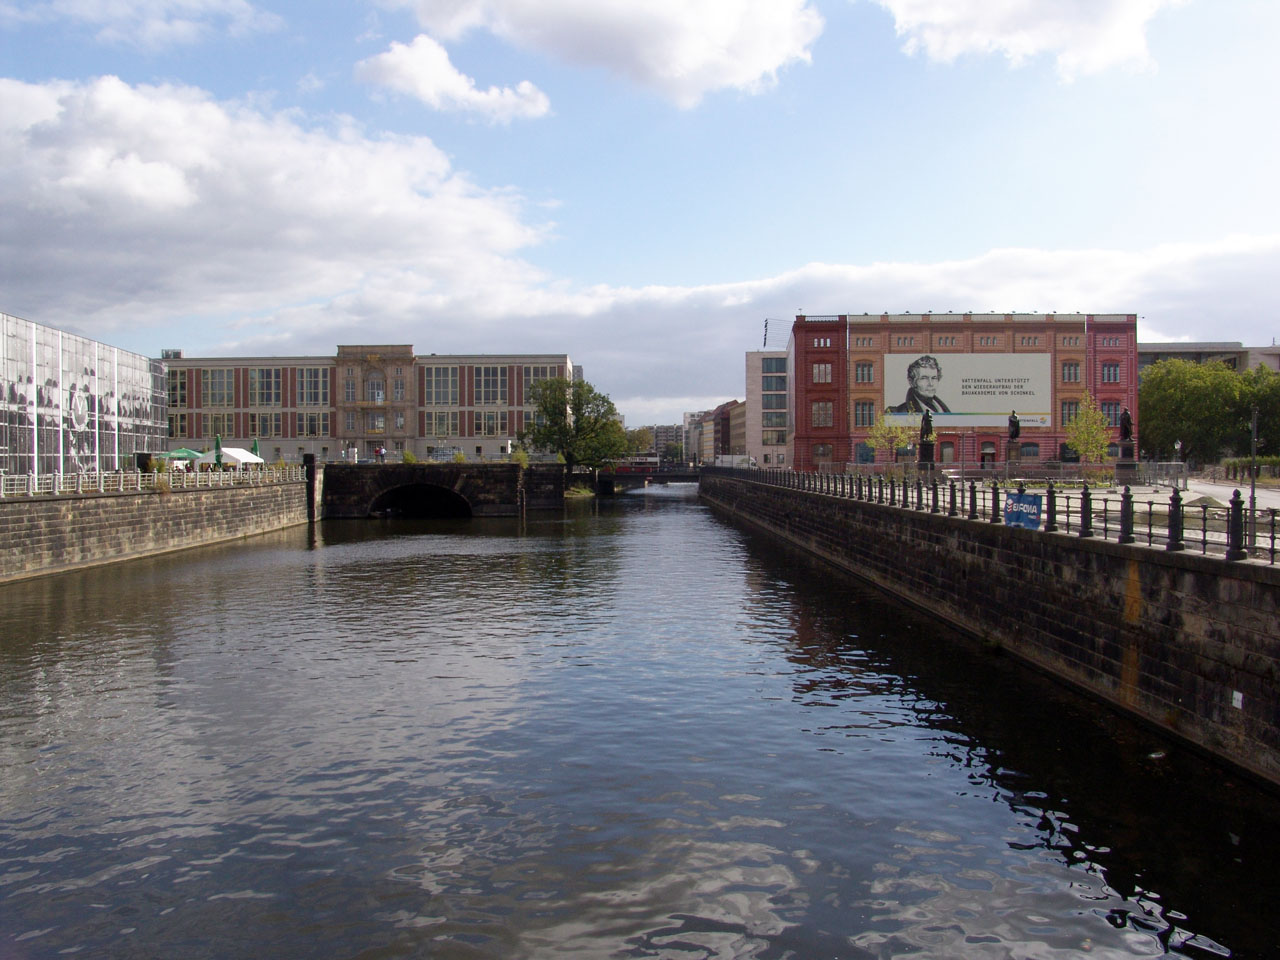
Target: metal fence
(71, 484)
(1011, 472)
(1154, 522)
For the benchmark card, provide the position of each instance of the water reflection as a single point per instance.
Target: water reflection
(631, 730)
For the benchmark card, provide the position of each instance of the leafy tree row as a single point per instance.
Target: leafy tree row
(1209, 407)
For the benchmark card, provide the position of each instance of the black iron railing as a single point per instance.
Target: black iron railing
(1172, 525)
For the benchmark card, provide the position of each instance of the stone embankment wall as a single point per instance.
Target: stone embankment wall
(1188, 643)
(41, 535)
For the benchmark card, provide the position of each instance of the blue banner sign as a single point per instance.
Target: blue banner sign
(1022, 510)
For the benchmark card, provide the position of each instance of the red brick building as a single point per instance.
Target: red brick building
(971, 370)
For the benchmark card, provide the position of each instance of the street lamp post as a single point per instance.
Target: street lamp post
(1253, 484)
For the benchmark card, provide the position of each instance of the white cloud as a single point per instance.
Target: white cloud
(127, 206)
(682, 48)
(1086, 36)
(151, 217)
(150, 24)
(422, 70)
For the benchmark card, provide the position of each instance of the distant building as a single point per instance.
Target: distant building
(766, 407)
(665, 435)
(362, 399)
(73, 405)
(1234, 354)
(970, 370)
(692, 435)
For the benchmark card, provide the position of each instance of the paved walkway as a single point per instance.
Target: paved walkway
(1268, 497)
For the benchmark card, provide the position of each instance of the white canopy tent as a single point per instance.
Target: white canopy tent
(232, 457)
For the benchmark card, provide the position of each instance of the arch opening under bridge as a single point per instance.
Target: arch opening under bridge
(421, 500)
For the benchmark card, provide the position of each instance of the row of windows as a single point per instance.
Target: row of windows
(864, 412)
(773, 365)
(441, 386)
(217, 387)
(864, 372)
(259, 425)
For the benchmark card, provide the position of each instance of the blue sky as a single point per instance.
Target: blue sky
(638, 184)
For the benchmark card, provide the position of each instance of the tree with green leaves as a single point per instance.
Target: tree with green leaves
(1205, 405)
(575, 421)
(1089, 434)
(1261, 389)
(639, 441)
(891, 437)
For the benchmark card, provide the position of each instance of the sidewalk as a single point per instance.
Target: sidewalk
(1268, 497)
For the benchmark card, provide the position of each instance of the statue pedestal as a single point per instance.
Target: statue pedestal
(925, 453)
(1126, 450)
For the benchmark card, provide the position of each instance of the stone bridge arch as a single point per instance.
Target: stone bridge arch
(439, 489)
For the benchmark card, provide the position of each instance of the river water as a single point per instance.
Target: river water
(629, 731)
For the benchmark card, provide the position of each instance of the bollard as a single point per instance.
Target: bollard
(1235, 529)
(1051, 509)
(1126, 516)
(1086, 513)
(1175, 523)
(995, 502)
(973, 499)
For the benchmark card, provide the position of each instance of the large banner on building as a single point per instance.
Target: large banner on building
(968, 389)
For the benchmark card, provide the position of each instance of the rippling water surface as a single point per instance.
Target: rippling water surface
(632, 731)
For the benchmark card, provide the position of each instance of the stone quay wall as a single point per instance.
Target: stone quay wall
(1188, 643)
(52, 534)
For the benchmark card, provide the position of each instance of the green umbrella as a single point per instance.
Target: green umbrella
(254, 449)
(183, 453)
(217, 450)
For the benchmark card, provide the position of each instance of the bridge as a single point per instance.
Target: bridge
(613, 481)
(439, 489)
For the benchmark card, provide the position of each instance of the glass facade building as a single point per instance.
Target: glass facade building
(73, 405)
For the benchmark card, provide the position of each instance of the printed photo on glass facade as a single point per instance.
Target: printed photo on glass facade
(73, 405)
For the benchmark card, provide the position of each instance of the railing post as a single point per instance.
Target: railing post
(1126, 516)
(1051, 509)
(995, 502)
(919, 493)
(879, 489)
(1175, 522)
(893, 491)
(1086, 512)
(933, 491)
(1235, 529)
(973, 499)
(951, 507)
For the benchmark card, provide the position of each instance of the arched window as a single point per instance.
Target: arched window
(947, 451)
(822, 453)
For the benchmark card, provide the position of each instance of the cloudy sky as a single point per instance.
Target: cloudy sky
(639, 183)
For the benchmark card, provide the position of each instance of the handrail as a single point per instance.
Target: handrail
(1174, 526)
(135, 481)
